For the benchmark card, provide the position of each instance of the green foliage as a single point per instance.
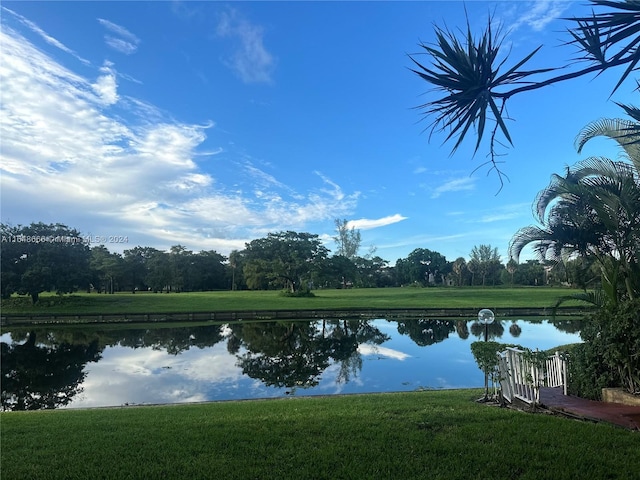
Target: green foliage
(485, 265)
(423, 266)
(283, 259)
(587, 376)
(302, 293)
(336, 272)
(486, 354)
(592, 213)
(43, 257)
(610, 356)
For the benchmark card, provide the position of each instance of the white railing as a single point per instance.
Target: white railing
(520, 378)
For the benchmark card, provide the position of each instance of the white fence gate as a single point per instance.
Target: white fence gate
(519, 378)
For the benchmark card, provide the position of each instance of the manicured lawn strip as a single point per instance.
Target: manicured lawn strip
(375, 298)
(433, 434)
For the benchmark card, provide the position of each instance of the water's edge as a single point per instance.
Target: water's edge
(364, 313)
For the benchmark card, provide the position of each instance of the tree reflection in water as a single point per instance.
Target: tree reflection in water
(43, 376)
(426, 332)
(295, 354)
(47, 370)
(44, 368)
(494, 330)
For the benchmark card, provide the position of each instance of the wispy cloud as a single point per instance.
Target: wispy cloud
(124, 41)
(368, 224)
(251, 60)
(457, 185)
(77, 153)
(47, 38)
(507, 212)
(537, 15)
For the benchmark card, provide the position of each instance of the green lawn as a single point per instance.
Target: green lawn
(431, 435)
(378, 298)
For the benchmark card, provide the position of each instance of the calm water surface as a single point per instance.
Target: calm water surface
(72, 368)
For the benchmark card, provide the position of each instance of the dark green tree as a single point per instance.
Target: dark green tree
(336, 272)
(236, 263)
(371, 272)
(135, 267)
(459, 268)
(209, 271)
(107, 269)
(158, 270)
(284, 260)
(530, 273)
(423, 266)
(43, 257)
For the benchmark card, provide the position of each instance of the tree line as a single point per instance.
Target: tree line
(54, 257)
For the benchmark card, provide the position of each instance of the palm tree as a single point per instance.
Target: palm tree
(594, 211)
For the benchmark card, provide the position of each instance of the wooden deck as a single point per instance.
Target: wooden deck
(615, 413)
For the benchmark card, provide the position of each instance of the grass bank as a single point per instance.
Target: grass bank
(373, 298)
(433, 434)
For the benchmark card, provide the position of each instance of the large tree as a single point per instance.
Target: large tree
(43, 257)
(283, 259)
(107, 269)
(422, 266)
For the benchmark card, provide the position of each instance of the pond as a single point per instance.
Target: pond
(114, 366)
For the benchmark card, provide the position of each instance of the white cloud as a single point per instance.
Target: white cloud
(125, 42)
(251, 61)
(75, 152)
(147, 376)
(368, 224)
(537, 15)
(367, 349)
(47, 38)
(106, 85)
(457, 185)
(120, 45)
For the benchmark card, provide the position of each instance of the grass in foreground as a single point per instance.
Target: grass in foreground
(378, 298)
(435, 434)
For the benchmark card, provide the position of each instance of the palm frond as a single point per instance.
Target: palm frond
(597, 298)
(625, 132)
(466, 72)
(617, 30)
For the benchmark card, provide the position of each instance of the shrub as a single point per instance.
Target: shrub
(298, 293)
(486, 356)
(610, 356)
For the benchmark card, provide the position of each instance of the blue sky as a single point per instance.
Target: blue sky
(209, 124)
